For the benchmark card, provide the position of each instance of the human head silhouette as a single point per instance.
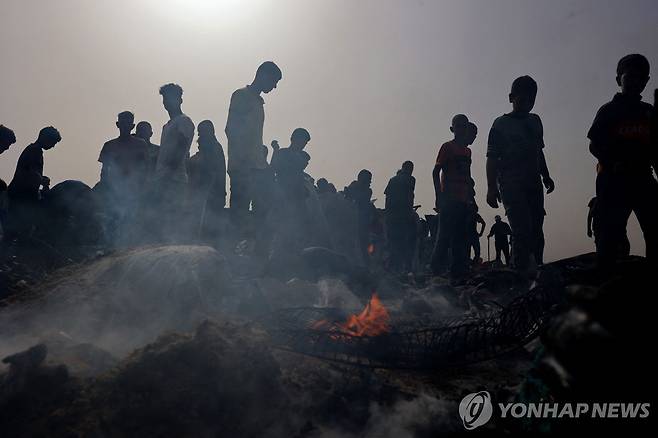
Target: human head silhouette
(48, 137)
(7, 138)
(172, 97)
(497, 218)
(458, 120)
(299, 138)
(144, 131)
(633, 74)
(523, 94)
(206, 129)
(365, 177)
(470, 133)
(322, 184)
(125, 123)
(267, 77)
(407, 167)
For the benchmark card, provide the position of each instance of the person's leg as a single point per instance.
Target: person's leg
(537, 213)
(459, 240)
(441, 254)
(505, 249)
(240, 197)
(645, 207)
(518, 213)
(476, 247)
(613, 209)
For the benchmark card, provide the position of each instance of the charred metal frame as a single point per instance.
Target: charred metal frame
(414, 345)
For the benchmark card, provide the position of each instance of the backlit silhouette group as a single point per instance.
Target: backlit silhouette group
(151, 193)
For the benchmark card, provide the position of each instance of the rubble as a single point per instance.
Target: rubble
(168, 350)
(125, 299)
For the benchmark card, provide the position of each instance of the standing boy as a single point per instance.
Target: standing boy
(453, 187)
(621, 139)
(516, 168)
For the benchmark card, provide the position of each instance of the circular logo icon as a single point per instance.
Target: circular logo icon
(475, 409)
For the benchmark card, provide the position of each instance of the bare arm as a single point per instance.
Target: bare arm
(436, 177)
(493, 195)
(543, 170)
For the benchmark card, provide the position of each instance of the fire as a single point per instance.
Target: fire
(372, 321)
(371, 249)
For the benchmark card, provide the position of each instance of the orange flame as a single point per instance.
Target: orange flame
(372, 321)
(371, 249)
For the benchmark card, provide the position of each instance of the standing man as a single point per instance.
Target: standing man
(401, 218)
(500, 230)
(7, 138)
(170, 176)
(24, 193)
(454, 191)
(145, 132)
(360, 193)
(621, 138)
(244, 131)
(124, 162)
(207, 188)
(516, 169)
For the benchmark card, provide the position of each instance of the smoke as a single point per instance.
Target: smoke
(423, 416)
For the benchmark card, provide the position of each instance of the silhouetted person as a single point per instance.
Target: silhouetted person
(360, 193)
(170, 176)
(516, 168)
(401, 218)
(624, 248)
(24, 190)
(500, 230)
(454, 192)
(622, 141)
(7, 138)
(474, 235)
(207, 172)
(322, 186)
(123, 174)
(145, 132)
(288, 165)
(244, 131)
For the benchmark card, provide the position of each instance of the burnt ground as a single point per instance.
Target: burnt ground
(214, 371)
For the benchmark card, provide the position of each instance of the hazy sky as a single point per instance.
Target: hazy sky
(374, 81)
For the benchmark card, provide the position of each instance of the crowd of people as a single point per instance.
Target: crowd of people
(151, 193)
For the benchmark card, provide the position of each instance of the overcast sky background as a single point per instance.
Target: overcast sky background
(376, 82)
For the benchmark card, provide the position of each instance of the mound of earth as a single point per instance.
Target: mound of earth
(123, 300)
(222, 380)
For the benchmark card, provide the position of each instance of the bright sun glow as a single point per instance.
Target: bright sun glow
(207, 11)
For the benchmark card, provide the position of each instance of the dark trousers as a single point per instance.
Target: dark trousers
(453, 235)
(617, 196)
(252, 188)
(524, 207)
(240, 191)
(503, 247)
(401, 234)
(474, 243)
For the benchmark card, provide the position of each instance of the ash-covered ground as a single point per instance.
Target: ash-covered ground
(172, 341)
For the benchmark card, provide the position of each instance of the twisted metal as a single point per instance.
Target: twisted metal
(410, 345)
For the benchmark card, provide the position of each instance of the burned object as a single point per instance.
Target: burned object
(373, 339)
